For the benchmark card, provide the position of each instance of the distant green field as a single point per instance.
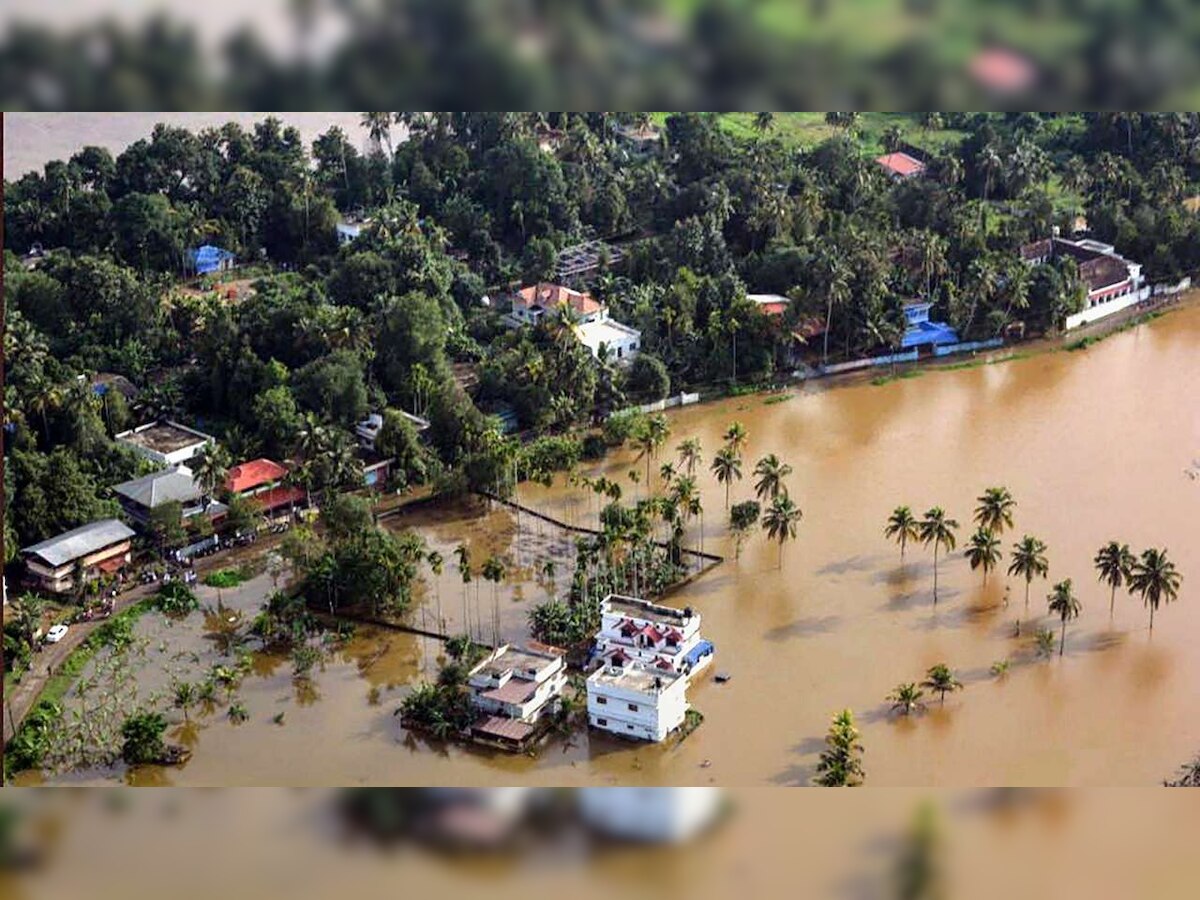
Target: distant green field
(807, 129)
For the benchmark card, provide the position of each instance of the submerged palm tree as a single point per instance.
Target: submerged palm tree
(1114, 565)
(938, 529)
(780, 521)
(727, 466)
(903, 527)
(840, 763)
(735, 436)
(770, 472)
(1029, 561)
(995, 510)
(983, 551)
(1155, 578)
(689, 454)
(906, 698)
(1065, 605)
(941, 681)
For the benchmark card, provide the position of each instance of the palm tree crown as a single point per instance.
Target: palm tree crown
(938, 529)
(995, 510)
(1029, 561)
(1114, 565)
(770, 472)
(780, 521)
(941, 680)
(1155, 578)
(983, 551)
(902, 525)
(727, 466)
(1064, 604)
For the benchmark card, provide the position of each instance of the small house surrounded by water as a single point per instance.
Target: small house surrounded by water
(514, 691)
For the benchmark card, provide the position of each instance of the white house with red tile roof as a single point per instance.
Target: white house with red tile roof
(590, 322)
(661, 637)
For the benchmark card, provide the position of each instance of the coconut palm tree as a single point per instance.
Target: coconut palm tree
(903, 527)
(736, 436)
(727, 466)
(983, 551)
(212, 469)
(840, 764)
(940, 680)
(1155, 578)
(667, 473)
(689, 454)
(995, 510)
(770, 472)
(1064, 604)
(1029, 561)
(780, 521)
(906, 698)
(938, 529)
(1114, 565)
(379, 129)
(494, 571)
(463, 555)
(437, 565)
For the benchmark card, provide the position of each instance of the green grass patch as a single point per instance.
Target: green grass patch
(1084, 343)
(985, 361)
(225, 578)
(888, 379)
(778, 398)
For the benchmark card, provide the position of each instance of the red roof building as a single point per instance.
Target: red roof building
(253, 475)
(900, 165)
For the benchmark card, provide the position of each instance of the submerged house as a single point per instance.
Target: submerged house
(635, 700)
(514, 690)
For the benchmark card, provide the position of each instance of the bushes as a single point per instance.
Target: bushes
(593, 447)
(621, 426)
(552, 454)
(225, 578)
(175, 599)
(647, 378)
(143, 738)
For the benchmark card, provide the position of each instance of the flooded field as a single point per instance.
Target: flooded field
(1095, 445)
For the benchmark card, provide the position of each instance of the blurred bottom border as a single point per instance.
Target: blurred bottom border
(602, 842)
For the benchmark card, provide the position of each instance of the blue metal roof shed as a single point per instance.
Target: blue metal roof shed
(208, 259)
(921, 331)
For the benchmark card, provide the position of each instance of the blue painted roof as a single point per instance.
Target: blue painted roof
(701, 650)
(209, 258)
(927, 332)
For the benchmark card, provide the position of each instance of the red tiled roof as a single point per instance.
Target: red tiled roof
(901, 164)
(651, 632)
(277, 497)
(509, 729)
(253, 474)
(551, 296)
(515, 690)
(619, 657)
(674, 635)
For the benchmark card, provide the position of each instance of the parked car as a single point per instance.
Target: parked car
(56, 633)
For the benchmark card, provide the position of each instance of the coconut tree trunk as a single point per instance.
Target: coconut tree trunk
(1112, 600)
(935, 561)
(1062, 641)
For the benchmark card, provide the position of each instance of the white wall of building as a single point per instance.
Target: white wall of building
(1108, 307)
(647, 715)
(655, 814)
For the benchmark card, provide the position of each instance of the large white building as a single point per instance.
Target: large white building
(634, 700)
(591, 323)
(166, 443)
(1113, 282)
(513, 689)
(659, 636)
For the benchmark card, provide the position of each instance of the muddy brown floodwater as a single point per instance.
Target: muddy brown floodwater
(1095, 445)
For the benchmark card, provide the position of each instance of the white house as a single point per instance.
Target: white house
(513, 689)
(590, 319)
(368, 429)
(166, 443)
(349, 229)
(634, 700)
(652, 814)
(98, 548)
(659, 636)
(1113, 282)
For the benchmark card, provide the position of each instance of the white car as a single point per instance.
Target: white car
(56, 633)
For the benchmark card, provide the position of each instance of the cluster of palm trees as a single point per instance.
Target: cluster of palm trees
(908, 697)
(494, 570)
(1152, 576)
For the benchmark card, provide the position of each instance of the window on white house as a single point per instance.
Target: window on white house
(633, 707)
(602, 722)
(601, 700)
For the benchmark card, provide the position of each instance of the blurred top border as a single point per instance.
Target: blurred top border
(601, 54)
